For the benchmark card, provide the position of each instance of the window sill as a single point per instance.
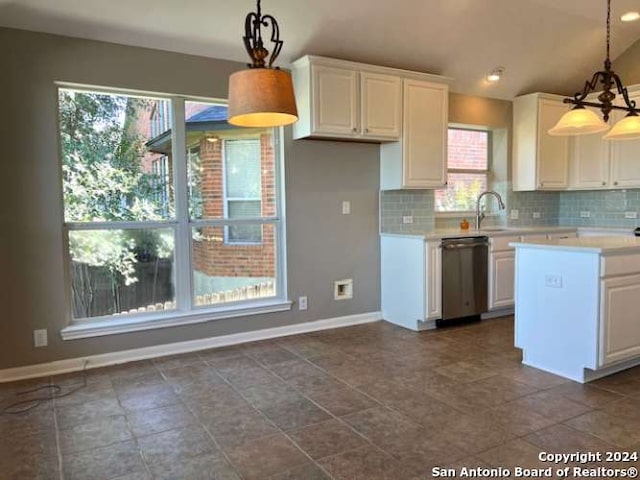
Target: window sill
(89, 329)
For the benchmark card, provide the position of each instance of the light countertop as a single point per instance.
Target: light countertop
(441, 233)
(604, 245)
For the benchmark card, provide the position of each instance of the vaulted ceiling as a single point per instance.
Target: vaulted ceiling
(544, 45)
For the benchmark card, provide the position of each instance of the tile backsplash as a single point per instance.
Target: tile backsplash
(606, 208)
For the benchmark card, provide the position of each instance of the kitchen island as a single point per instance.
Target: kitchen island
(576, 305)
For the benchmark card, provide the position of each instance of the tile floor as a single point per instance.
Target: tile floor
(367, 402)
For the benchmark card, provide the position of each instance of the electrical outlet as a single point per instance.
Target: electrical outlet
(407, 219)
(515, 214)
(40, 338)
(585, 214)
(630, 214)
(536, 214)
(302, 303)
(553, 281)
(346, 207)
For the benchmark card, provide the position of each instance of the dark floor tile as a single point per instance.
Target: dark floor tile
(33, 422)
(32, 457)
(269, 395)
(234, 425)
(148, 398)
(560, 438)
(365, 463)
(378, 424)
(531, 376)
(271, 354)
(308, 471)
(343, 400)
(257, 459)
(628, 408)
(626, 382)
(473, 433)
(326, 438)
(91, 393)
(552, 405)
(148, 422)
(587, 394)
(104, 463)
(201, 374)
(175, 445)
(201, 467)
(71, 415)
(512, 454)
(177, 361)
(464, 371)
(293, 414)
(517, 418)
(616, 430)
(99, 433)
(247, 377)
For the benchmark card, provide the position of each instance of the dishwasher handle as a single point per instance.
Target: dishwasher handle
(459, 246)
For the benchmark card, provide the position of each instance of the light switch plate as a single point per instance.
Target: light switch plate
(407, 219)
(40, 338)
(346, 207)
(630, 214)
(515, 214)
(585, 214)
(536, 214)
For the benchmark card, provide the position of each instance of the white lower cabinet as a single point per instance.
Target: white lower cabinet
(619, 319)
(501, 274)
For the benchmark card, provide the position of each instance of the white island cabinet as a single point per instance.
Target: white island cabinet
(577, 305)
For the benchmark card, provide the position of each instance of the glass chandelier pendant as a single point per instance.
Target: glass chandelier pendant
(582, 121)
(261, 96)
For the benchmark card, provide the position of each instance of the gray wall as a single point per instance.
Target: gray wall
(323, 245)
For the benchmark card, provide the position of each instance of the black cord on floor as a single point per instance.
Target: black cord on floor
(25, 406)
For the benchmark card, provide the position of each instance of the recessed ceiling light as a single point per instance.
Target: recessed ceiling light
(630, 16)
(495, 74)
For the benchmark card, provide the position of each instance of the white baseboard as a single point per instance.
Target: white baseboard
(114, 358)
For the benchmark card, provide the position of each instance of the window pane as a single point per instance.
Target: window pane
(227, 163)
(224, 272)
(242, 168)
(121, 271)
(116, 157)
(468, 149)
(461, 192)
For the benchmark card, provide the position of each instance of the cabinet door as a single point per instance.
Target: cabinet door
(335, 100)
(501, 279)
(424, 139)
(589, 160)
(625, 156)
(381, 105)
(619, 319)
(433, 273)
(553, 152)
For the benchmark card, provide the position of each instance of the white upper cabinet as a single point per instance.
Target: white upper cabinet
(381, 105)
(589, 161)
(346, 101)
(335, 95)
(419, 160)
(625, 155)
(540, 160)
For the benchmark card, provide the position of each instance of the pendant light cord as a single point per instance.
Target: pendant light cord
(608, 30)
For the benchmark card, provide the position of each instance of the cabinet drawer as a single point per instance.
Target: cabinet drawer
(534, 237)
(497, 244)
(619, 265)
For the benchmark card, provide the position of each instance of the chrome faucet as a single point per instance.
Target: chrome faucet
(480, 215)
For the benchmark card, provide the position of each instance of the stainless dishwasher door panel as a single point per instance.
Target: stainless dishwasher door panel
(464, 277)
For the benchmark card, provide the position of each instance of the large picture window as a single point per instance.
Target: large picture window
(169, 210)
(468, 164)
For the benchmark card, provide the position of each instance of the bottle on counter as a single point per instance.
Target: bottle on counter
(464, 224)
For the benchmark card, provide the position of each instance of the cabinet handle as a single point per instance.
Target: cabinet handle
(615, 183)
(604, 183)
(542, 184)
(354, 129)
(366, 130)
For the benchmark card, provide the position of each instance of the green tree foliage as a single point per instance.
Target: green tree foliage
(104, 181)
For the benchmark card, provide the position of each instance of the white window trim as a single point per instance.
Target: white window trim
(186, 312)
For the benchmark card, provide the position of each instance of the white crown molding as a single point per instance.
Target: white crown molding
(102, 360)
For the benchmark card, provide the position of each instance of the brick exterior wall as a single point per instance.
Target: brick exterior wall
(211, 255)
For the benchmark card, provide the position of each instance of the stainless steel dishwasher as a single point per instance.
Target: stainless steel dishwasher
(464, 277)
